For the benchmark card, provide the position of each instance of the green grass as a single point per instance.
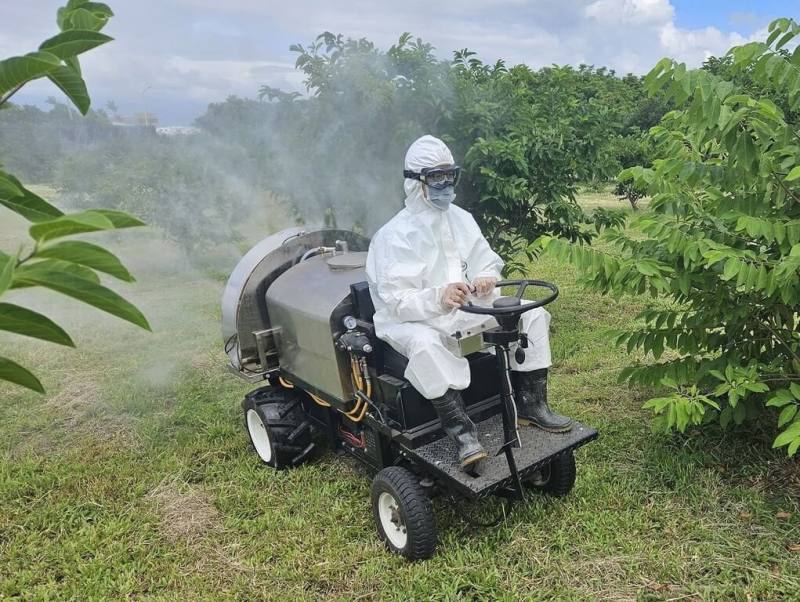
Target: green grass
(133, 478)
(591, 199)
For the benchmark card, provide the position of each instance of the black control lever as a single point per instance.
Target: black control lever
(519, 353)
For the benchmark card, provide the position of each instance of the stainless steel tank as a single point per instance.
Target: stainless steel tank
(307, 304)
(247, 331)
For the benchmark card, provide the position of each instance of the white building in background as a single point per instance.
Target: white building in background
(177, 130)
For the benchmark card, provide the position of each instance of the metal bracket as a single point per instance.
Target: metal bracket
(267, 345)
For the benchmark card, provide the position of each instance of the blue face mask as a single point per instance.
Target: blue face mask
(441, 199)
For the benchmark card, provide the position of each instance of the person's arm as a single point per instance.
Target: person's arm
(397, 271)
(483, 262)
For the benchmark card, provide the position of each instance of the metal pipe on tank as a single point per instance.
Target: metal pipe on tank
(312, 252)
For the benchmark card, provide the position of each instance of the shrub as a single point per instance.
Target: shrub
(720, 244)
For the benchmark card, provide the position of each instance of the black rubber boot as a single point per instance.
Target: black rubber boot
(458, 426)
(530, 391)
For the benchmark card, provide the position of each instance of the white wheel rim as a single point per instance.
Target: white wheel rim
(259, 435)
(392, 521)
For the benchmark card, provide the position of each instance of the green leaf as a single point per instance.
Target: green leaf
(756, 387)
(98, 9)
(787, 414)
(794, 174)
(8, 187)
(795, 390)
(747, 151)
(787, 436)
(74, 41)
(73, 223)
(739, 413)
(27, 204)
(120, 219)
(74, 63)
(63, 267)
(7, 266)
(725, 417)
(717, 374)
(721, 389)
(89, 255)
(14, 373)
(785, 39)
(732, 267)
(29, 323)
(71, 83)
(647, 269)
(49, 276)
(84, 15)
(84, 19)
(17, 70)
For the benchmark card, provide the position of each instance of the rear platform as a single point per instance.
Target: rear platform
(538, 448)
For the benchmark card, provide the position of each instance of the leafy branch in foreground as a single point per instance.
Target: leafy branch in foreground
(66, 266)
(720, 243)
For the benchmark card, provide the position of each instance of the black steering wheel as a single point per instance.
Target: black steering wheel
(506, 306)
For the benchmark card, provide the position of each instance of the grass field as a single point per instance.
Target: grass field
(133, 478)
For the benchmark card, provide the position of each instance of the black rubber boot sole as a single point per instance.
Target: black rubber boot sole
(548, 429)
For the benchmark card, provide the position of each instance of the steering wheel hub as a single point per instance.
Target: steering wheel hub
(503, 302)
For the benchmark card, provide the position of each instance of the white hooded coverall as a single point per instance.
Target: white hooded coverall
(411, 260)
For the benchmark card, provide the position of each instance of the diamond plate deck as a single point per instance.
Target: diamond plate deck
(538, 447)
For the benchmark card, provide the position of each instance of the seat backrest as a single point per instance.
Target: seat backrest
(362, 300)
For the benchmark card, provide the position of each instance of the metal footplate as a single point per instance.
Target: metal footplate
(538, 448)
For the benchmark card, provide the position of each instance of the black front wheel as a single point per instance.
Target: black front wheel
(403, 513)
(278, 427)
(557, 477)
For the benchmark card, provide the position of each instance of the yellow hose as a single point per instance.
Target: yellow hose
(363, 412)
(321, 402)
(288, 385)
(356, 374)
(369, 385)
(359, 409)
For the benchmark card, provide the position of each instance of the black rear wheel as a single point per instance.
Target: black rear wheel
(278, 427)
(557, 477)
(403, 513)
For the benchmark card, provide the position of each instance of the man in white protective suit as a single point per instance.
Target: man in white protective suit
(422, 265)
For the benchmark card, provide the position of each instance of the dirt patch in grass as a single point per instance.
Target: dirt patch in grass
(77, 415)
(187, 513)
(188, 518)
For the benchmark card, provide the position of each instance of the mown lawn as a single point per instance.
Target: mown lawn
(133, 478)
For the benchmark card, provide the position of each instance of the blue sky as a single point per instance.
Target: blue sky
(739, 15)
(173, 57)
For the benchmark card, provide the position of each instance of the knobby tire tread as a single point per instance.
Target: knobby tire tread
(417, 507)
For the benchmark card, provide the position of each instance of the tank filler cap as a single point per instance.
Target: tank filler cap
(348, 261)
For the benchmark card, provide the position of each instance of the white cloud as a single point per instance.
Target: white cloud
(631, 12)
(203, 50)
(696, 45)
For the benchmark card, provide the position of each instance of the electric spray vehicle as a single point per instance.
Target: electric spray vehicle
(297, 313)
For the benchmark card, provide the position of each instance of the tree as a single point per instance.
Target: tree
(524, 137)
(33, 142)
(720, 243)
(69, 267)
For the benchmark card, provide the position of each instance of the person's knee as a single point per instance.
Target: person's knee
(538, 321)
(424, 341)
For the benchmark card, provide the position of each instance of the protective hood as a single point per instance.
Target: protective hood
(426, 151)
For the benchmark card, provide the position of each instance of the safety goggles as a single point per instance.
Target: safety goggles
(436, 177)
